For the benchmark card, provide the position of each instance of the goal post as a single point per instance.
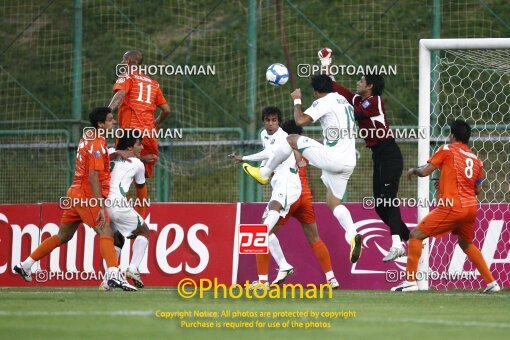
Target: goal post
(473, 80)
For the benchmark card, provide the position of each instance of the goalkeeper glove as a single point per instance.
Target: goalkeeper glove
(325, 56)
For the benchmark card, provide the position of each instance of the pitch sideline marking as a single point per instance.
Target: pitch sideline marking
(451, 323)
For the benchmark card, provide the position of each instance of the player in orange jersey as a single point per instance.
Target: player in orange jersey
(459, 183)
(138, 96)
(85, 201)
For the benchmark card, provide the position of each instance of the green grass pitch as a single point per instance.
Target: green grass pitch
(52, 313)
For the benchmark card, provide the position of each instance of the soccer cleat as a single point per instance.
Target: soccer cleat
(259, 285)
(282, 275)
(135, 277)
(406, 286)
(25, 274)
(103, 287)
(254, 173)
(355, 248)
(117, 280)
(333, 283)
(394, 254)
(492, 287)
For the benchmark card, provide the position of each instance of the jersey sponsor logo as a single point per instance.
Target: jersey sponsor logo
(253, 239)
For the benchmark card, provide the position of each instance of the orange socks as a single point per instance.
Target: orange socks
(414, 253)
(322, 254)
(107, 251)
(45, 248)
(475, 255)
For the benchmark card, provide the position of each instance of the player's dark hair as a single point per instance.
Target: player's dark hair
(128, 139)
(322, 83)
(98, 115)
(291, 127)
(377, 82)
(460, 130)
(272, 110)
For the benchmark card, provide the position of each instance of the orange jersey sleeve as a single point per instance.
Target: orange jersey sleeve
(95, 155)
(123, 83)
(92, 155)
(439, 157)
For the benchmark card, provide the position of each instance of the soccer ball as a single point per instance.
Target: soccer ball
(277, 74)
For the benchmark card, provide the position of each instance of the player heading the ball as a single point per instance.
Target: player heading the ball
(336, 157)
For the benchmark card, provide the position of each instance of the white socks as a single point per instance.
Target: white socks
(111, 273)
(329, 275)
(139, 247)
(263, 278)
(274, 245)
(28, 263)
(277, 253)
(396, 242)
(343, 216)
(280, 154)
(271, 219)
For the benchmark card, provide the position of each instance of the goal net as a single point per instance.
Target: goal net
(468, 79)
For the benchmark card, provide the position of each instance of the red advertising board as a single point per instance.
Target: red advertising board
(186, 240)
(199, 241)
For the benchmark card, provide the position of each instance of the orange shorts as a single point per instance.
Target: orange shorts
(81, 213)
(302, 210)
(457, 220)
(150, 146)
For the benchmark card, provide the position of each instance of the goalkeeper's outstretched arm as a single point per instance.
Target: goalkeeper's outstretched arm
(326, 58)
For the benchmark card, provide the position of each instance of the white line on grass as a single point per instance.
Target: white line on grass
(45, 292)
(80, 313)
(453, 323)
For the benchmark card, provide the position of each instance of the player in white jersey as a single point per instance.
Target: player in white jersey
(285, 183)
(336, 157)
(125, 220)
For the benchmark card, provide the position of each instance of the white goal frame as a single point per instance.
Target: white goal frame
(424, 114)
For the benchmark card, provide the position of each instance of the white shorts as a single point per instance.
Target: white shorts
(124, 221)
(335, 174)
(286, 191)
(337, 181)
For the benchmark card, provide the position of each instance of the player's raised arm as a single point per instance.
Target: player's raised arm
(299, 116)
(325, 58)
